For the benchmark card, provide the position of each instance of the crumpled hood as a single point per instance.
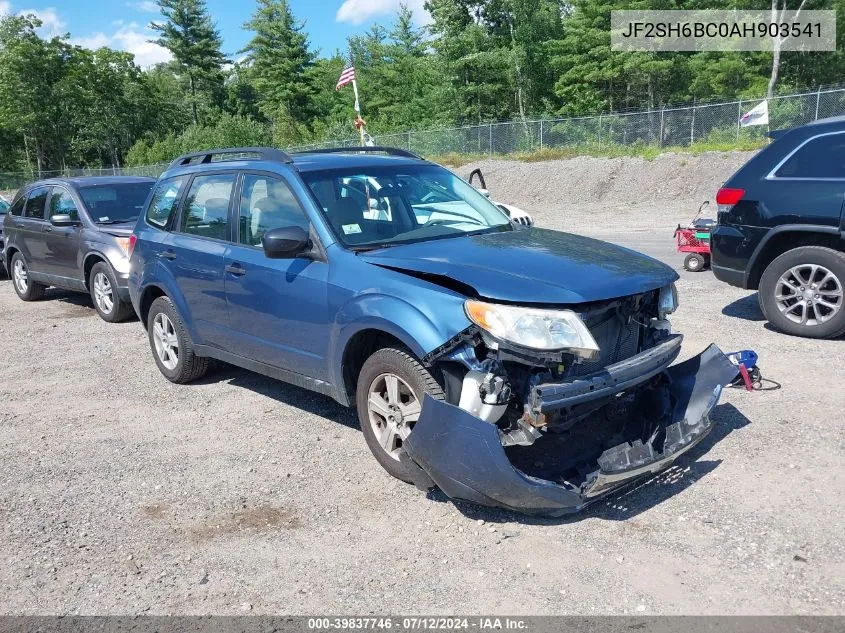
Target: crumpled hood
(531, 266)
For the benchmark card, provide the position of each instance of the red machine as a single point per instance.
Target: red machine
(695, 240)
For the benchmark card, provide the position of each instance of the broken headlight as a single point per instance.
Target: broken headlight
(534, 328)
(668, 301)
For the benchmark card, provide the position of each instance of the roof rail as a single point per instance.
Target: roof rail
(264, 153)
(393, 151)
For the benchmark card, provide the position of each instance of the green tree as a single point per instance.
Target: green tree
(31, 74)
(280, 61)
(189, 33)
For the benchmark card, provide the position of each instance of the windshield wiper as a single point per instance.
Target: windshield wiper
(117, 221)
(370, 247)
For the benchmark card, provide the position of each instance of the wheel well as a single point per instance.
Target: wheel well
(10, 252)
(360, 347)
(90, 262)
(786, 241)
(150, 294)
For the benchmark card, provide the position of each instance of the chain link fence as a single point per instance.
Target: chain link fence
(682, 126)
(717, 123)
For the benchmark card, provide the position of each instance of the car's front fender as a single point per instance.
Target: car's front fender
(421, 326)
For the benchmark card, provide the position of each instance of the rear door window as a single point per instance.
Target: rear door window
(35, 203)
(822, 157)
(164, 200)
(205, 212)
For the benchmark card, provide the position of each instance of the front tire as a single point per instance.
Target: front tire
(172, 348)
(389, 399)
(26, 289)
(103, 285)
(801, 292)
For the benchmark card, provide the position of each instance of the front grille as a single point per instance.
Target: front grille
(617, 340)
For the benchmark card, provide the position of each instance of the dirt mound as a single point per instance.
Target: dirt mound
(572, 191)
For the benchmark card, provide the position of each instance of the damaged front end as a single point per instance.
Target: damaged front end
(547, 433)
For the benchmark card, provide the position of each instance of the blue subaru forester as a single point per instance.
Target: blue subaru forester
(509, 366)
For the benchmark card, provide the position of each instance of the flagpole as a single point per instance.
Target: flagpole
(358, 110)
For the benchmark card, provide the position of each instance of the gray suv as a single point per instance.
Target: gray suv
(74, 233)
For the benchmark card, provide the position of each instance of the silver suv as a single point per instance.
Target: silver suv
(73, 233)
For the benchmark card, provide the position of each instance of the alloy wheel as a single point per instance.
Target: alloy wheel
(103, 293)
(809, 294)
(20, 275)
(393, 410)
(165, 340)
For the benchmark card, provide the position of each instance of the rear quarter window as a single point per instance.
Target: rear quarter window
(17, 207)
(821, 157)
(164, 200)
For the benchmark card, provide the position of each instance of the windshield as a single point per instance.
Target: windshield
(115, 203)
(382, 206)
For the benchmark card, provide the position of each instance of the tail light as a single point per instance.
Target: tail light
(132, 239)
(728, 197)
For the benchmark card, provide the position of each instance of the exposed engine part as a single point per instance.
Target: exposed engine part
(524, 435)
(495, 389)
(535, 420)
(475, 396)
(661, 325)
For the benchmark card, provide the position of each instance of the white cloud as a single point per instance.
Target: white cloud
(131, 38)
(145, 6)
(51, 24)
(5, 7)
(360, 11)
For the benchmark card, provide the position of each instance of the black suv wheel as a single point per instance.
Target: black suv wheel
(801, 292)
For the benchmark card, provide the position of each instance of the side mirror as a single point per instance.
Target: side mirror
(63, 219)
(285, 243)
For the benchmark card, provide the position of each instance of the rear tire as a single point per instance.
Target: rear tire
(172, 348)
(26, 289)
(694, 263)
(801, 292)
(389, 398)
(107, 302)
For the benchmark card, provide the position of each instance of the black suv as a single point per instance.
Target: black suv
(781, 229)
(74, 234)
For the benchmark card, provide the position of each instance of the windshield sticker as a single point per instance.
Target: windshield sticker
(105, 218)
(349, 229)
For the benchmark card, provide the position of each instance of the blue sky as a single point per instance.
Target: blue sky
(123, 24)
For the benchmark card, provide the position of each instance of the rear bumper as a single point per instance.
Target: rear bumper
(730, 276)
(463, 455)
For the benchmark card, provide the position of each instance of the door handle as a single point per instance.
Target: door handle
(236, 269)
(48, 229)
(168, 255)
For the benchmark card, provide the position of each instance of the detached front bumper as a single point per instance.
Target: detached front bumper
(463, 455)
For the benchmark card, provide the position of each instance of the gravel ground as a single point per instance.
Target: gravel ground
(123, 493)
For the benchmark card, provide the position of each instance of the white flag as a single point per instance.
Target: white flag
(758, 115)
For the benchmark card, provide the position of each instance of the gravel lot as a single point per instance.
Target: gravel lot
(123, 493)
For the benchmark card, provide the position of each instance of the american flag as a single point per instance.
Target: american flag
(347, 76)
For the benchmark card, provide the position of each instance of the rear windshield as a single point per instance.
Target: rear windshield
(4, 206)
(115, 203)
